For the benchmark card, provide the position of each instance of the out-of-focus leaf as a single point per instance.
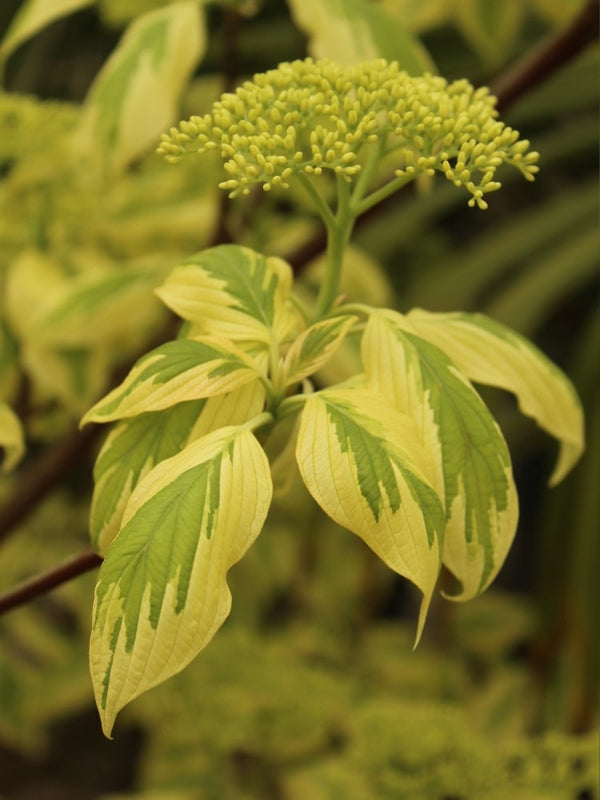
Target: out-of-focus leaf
(490, 27)
(568, 586)
(44, 674)
(12, 440)
(68, 326)
(95, 309)
(30, 125)
(550, 279)
(33, 281)
(418, 15)
(558, 11)
(348, 31)
(569, 91)
(32, 17)
(461, 280)
(9, 362)
(119, 13)
(135, 95)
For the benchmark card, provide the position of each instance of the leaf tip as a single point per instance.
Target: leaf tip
(107, 725)
(425, 603)
(570, 453)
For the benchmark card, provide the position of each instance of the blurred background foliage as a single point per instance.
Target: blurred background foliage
(311, 689)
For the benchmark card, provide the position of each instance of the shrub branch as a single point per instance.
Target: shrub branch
(46, 581)
(540, 63)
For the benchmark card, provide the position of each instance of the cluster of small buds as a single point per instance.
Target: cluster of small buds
(310, 116)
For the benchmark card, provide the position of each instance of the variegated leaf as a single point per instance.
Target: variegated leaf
(232, 291)
(74, 376)
(12, 440)
(187, 369)
(162, 591)
(233, 408)
(488, 352)
(130, 451)
(136, 445)
(9, 361)
(98, 308)
(362, 462)
(314, 347)
(490, 28)
(419, 15)
(32, 283)
(349, 31)
(32, 17)
(471, 460)
(135, 94)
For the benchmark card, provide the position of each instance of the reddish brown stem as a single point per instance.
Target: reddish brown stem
(46, 581)
(36, 481)
(538, 65)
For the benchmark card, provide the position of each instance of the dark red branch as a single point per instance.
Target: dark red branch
(538, 65)
(46, 581)
(36, 481)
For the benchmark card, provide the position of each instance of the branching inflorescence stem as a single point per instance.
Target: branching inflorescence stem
(307, 118)
(338, 236)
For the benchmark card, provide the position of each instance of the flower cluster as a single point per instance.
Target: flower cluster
(309, 116)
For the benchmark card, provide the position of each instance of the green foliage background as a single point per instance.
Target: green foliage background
(311, 689)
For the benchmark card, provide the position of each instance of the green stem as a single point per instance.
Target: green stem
(366, 173)
(360, 309)
(338, 236)
(322, 207)
(291, 405)
(274, 359)
(301, 306)
(380, 194)
(264, 418)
